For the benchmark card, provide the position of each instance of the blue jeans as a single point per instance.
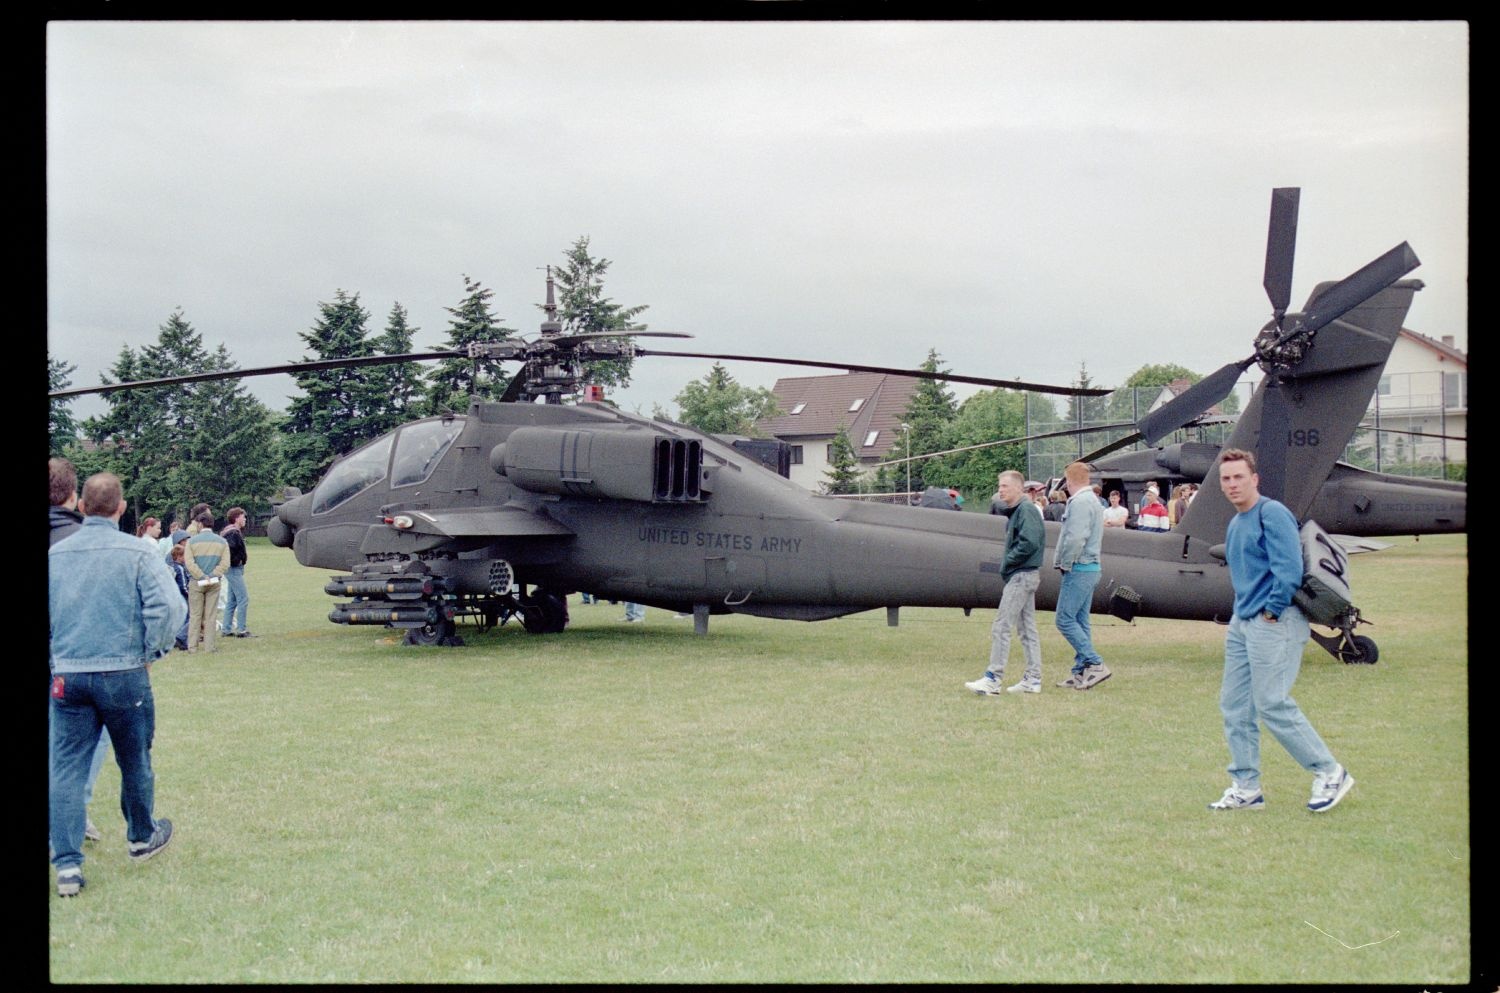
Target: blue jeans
(1261, 662)
(237, 600)
(122, 702)
(634, 610)
(1074, 598)
(101, 752)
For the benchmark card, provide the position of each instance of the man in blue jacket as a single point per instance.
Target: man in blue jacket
(1263, 648)
(113, 608)
(1021, 570)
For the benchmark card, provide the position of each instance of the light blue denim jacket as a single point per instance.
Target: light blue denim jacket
(111, 600)
(1082, 526)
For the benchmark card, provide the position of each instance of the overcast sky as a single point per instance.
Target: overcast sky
(1023, 197)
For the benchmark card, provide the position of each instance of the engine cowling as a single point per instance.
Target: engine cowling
(625, 465)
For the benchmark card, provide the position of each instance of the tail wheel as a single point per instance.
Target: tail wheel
(1359, 650)
(440, 633)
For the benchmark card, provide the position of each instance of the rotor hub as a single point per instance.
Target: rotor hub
(1280, 346)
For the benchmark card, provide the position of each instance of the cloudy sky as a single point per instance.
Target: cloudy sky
(1026, 198)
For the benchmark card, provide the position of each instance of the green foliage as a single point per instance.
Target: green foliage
(728, 814)
(1161, 375)
(987, 416)
(62, 427)
(333, 413)
(173, 446)
(583, 308)
(843, 473)
(717, 404)
(453, 383)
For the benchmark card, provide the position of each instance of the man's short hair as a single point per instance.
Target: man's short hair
(205, 520)
(235, 512)
(102, 494)
(1013, 476)
(1238, 455)
(62, 480)
(1077, 472)
(197, 511)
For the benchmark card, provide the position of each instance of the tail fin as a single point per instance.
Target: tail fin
(1329, 390)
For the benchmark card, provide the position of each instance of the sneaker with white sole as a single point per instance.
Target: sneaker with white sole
(986, 685)
(1071, 682)
(1328, 790)
(1236, 798)
(140, 851)
(1092, 676)
(69, 881)
(1026, 686)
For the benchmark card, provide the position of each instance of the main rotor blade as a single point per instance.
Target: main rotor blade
(591, 335)
(1191, 402)
(291, 368)
(1359, 286)
(1281, 247)
(1113, 446)
(1011, 384)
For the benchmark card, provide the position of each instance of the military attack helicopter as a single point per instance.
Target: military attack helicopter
(513, 505)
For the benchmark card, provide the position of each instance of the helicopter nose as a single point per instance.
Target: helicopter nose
(282, 529)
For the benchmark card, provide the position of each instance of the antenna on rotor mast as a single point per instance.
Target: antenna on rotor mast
(551, 325)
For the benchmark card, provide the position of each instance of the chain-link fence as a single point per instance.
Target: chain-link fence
(1415, 425)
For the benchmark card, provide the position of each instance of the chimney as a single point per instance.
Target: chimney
(1448, 340)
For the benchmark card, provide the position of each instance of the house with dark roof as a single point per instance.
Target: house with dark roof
(868, 405)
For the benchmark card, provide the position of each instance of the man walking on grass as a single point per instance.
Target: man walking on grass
(113, 608)
(1263, 648)
(1020, 569)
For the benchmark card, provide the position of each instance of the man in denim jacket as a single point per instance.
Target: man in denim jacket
(113, 608)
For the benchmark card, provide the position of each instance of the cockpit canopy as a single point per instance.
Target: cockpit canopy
(419, 448)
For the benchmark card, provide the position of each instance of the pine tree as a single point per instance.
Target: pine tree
(843, 472)
(398, 387)
(929, 412)
(228, 456)
(583, 307)
(62, 427)
(331, 417)
(452, 383)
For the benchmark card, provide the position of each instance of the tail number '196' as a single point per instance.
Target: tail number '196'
(1302, 439)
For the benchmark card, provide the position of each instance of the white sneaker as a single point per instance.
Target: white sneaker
(1025, 686)
(986, 685)
(1330, 789)
(1235, 798)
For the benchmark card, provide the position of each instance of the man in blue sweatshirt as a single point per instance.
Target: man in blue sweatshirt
(1263, 649)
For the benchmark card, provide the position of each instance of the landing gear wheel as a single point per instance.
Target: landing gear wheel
(429, 635)
(544, 612)
(1359, 650)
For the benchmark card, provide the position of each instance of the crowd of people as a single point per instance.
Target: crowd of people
(116, 604)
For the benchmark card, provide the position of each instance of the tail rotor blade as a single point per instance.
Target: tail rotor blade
(1281, 247)
(1191, 402)
(1271, 449)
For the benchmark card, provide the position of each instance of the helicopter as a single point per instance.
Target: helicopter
(512, 505)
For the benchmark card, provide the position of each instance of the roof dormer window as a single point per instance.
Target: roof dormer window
(798, 409)
(858, 403)
(870, 438)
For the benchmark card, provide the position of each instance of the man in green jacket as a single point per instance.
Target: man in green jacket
(207, 559)
(1025, 540)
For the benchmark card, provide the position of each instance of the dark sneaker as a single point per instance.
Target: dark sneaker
(140, 851)
(91, 832)
(244, 634)
(1330, 789)
(1092, 676)
(69, 881)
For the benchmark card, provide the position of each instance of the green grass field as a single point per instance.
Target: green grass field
(781, 801)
